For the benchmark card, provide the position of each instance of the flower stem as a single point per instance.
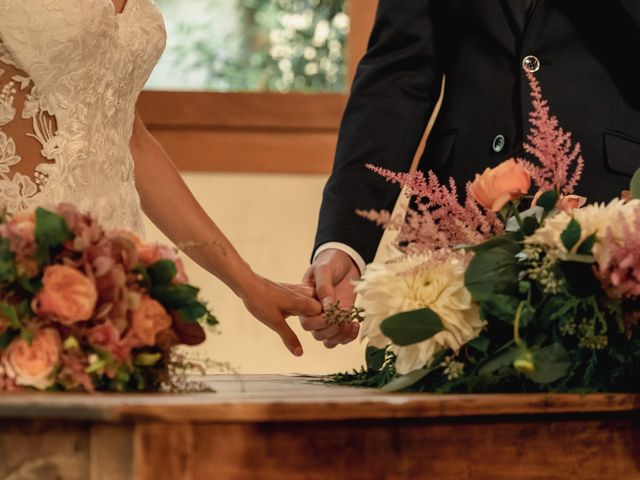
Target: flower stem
(516, 324)
(517, 216)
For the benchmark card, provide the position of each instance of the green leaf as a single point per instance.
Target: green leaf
(507, 242)
(7, 262)
(192, 312)
(586, 247)
(502, 307)
(9, 312)
(7, 337)
(551, 363)
(51, 233)
(375, 357)
(635, 185)
(481, 344)
(162, 272)
(416, 326)
(490, 272)
(406, 381)
(503, 358)
(548, 200)
(571, 236)
(175, 297)
(529, 225)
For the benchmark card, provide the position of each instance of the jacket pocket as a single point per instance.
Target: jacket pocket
(621, 153)
(438, 150)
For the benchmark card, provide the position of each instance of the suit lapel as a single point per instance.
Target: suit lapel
(516, 15)
(633, 9)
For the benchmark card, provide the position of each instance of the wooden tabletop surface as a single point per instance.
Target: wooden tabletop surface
(265, 398)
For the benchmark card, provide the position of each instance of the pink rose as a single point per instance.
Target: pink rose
(33, 365)
(149, 319)
(67, 295)
(498, 186)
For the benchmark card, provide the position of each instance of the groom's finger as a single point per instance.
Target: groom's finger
(311, 323)
(324, 284)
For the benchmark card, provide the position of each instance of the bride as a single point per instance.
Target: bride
(70, 74)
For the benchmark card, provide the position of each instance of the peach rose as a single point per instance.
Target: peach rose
(132, 237)
(498, 186)
(67, 295)
(33, 365)
(566, 203)
(149, 319)
(23, 225)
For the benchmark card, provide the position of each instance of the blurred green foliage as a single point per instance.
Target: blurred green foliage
(276, 45)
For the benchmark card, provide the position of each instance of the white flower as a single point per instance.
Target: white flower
(598, 218)
(412, 283)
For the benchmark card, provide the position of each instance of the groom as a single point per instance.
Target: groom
(583, 54)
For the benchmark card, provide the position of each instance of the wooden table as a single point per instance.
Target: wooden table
(275, 427)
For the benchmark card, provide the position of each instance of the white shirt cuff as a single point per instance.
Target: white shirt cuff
(355, 256)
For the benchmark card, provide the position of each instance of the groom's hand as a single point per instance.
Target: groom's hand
(332, 274)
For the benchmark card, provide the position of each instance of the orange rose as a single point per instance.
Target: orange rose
(498, 186)
(67, 295)
(149, 319)
(33, 365)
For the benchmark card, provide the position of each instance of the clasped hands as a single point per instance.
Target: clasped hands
(327, 281)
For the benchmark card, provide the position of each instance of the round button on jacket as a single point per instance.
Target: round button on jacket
(531, 64)
(498, 143)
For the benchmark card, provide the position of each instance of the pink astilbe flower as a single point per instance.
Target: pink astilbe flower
(560, 161)
(437, 220)
(620, 276)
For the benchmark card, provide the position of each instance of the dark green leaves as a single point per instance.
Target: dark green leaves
(571, 236)
(51, 233)
(548, 200)
(162, 272)
(407, 328)
(635, 185)
(7, 262)
(375, 357)
(405, 381)
(492, 271)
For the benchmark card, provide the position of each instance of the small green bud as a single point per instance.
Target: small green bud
(147, 359)
(71, 343)
(524, 363)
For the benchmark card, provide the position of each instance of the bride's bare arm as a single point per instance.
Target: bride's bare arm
(169, 203)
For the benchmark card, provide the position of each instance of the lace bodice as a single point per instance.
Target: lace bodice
(70, 74)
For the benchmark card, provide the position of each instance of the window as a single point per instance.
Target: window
(255, 85)
(254, 45)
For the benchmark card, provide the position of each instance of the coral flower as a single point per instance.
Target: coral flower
(498, 186)
(67, 295)
(32, 365)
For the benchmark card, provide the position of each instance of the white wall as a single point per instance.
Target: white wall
(271, 219)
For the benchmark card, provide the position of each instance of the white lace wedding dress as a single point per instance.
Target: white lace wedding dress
(70, 74)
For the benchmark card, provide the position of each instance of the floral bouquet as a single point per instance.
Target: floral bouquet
(83, 309)
(488, 296)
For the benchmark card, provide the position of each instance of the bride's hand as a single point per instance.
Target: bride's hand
(271, 303)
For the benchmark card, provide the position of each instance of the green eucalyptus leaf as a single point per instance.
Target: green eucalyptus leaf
(507, 242)
(416, 326)
(490, 272)
(503, 358)
(7, 263)
(571, 236)
(551, 363)
(406, 381)
(175, 297)
(481, 344)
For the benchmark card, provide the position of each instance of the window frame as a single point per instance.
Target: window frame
(256, 131)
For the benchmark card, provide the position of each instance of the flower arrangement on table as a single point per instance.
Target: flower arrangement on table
(486, 297)
(84, 309)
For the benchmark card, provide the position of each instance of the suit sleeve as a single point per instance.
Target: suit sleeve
(396, 87)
